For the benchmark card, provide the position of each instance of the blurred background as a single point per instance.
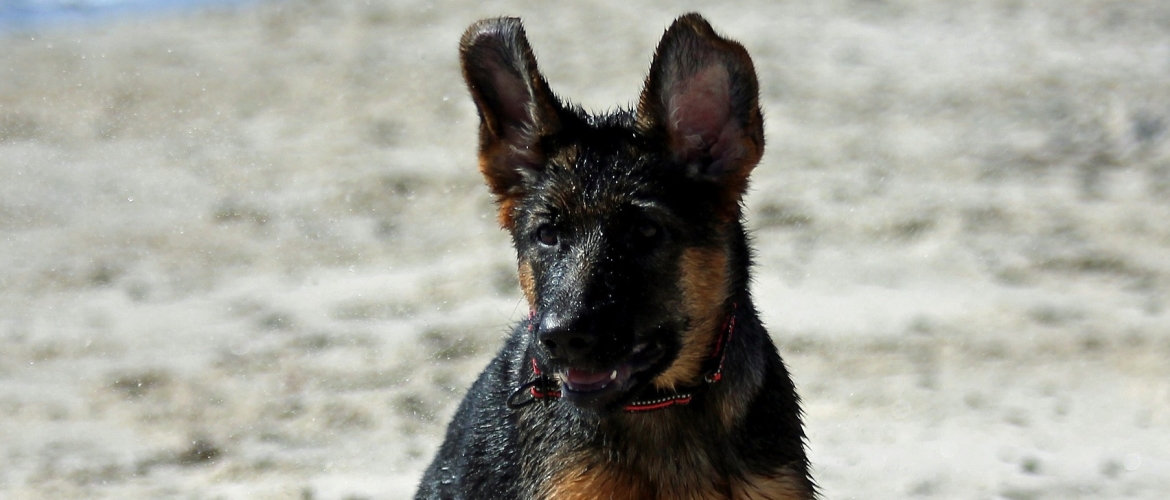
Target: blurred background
(245, 251)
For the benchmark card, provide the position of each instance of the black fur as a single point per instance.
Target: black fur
(603, 212)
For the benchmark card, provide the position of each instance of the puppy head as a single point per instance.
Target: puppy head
(622, 221)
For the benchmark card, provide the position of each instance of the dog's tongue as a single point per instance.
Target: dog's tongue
(581, 377)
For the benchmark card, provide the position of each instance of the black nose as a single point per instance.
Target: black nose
(566, 340)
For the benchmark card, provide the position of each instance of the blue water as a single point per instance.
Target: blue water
(25, 14)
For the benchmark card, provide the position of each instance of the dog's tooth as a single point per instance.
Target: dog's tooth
(613, 375)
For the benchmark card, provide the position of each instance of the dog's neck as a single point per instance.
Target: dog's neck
(676, 452)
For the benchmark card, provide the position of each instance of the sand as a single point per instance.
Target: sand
(245, 252)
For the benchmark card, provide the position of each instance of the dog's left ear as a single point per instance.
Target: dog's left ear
(516, 107)
(702, 98)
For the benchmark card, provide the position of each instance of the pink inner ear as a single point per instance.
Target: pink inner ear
(514, 99)
(699, 109)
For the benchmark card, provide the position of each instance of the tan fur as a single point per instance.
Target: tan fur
(589, 482)
(528, 284)
(603, 482)
(498, 187)
(705, 290)
(731, 408)
(735, 184)
(505, 217)
(566, 157)
(780, 486)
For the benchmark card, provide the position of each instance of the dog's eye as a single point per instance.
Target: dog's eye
(547, 235)
(647, 230)
(645, 234)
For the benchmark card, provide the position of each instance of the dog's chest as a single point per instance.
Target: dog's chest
(586, 476)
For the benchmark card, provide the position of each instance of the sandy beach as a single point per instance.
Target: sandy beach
(245, 251)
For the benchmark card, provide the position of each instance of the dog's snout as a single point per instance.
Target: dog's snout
(567, 344)
(564, 340)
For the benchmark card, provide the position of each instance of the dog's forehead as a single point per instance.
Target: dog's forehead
(600, 179)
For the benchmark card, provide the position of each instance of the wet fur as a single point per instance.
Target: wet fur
(681, 161)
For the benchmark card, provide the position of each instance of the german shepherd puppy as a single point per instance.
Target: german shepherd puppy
(642, 370)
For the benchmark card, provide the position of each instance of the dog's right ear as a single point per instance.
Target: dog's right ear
(516, 107)
(702, 98)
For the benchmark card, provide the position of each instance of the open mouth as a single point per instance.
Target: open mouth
(591, 388)
(585, 382)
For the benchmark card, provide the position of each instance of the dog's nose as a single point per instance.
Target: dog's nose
(564, 340)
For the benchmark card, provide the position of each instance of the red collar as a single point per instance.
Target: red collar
(543, 387)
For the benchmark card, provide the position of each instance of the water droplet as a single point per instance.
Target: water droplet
(1133, 461)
